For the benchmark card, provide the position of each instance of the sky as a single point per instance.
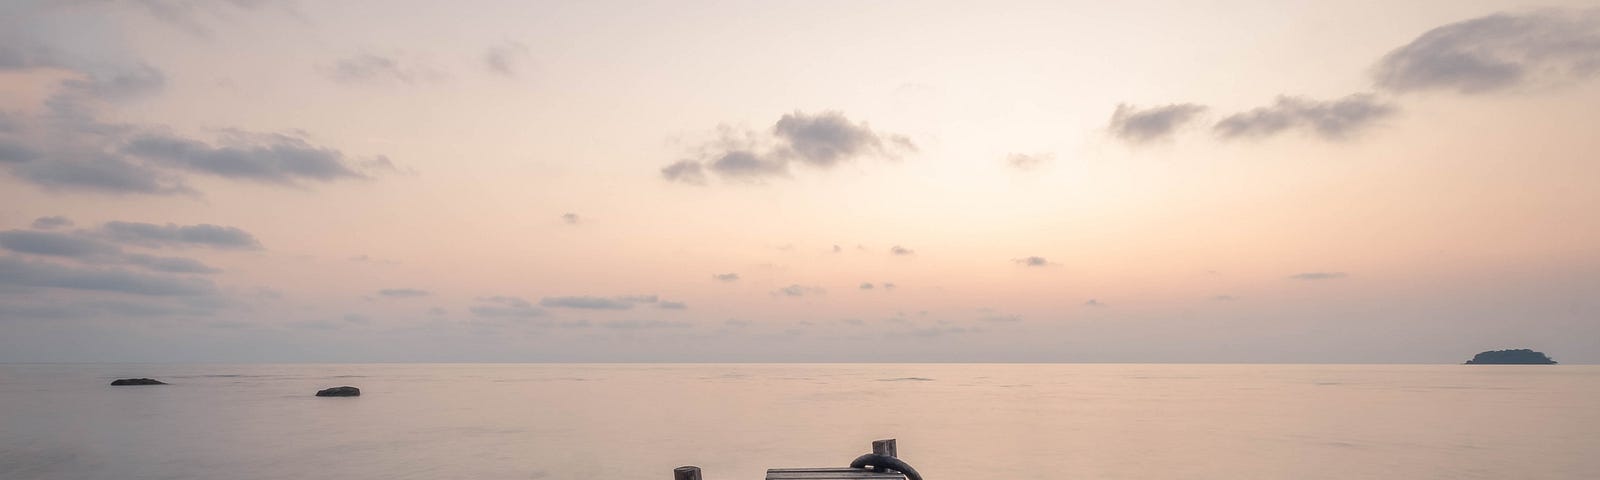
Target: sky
(821, 181)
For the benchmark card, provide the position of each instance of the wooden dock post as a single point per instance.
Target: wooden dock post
(687, 472)
(884, 447)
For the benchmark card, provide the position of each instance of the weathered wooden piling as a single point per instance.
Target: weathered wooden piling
(689, 472)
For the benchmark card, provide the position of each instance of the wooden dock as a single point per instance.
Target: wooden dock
(882, 464)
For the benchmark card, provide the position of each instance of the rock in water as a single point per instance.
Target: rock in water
(345, 391)
(1521, 356)
(137, 381)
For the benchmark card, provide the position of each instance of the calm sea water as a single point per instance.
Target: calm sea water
(473, 421)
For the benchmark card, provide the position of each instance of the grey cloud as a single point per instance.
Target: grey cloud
(14, 153)
(686, 171)
(505, 307)
(726, 277)
(55, 244)
(799, 291)
(998, 318)
(1135, 125)
(639, 298)
(670, 305)
(570, 218)
(1032, 262)
(149, 234)
(828, 138)
(373, 69)
(1331, 120)
(587, 302)
(65, 147)
(47, 223)
(507, 59)
(99, 173)
(643, 324)
(270, 158)
(83, 248)
(1318, 276)
(1021, 161)
(1224, 298)
(1496, 52)
(741, 164)
(194, 17)
(1094, 303)
(403, 292)
(169, 264)
(866, 286)
(137, 81)
(901, 251)
(15, 271)
(888, 286)
(823, 140)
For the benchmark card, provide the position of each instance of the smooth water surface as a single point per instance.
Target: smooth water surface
(461, 421)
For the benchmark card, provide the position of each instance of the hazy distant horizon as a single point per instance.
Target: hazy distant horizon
(1026, 181)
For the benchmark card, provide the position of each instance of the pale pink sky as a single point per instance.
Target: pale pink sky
(1021, 181)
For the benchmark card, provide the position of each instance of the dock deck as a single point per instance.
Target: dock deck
(882, 464)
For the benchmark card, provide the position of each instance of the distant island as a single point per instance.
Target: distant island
(1520, 356)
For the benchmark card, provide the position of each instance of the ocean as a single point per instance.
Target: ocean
(638, 421)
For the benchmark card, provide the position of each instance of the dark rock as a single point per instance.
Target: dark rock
(137, 381)
(346, 391)
(1521, 356)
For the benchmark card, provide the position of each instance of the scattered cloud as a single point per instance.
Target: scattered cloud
(1496, 52)
(1224, 298)
(64, 146)
(1330, 120)
(403, 292)
(266, 158)
(1033, 262)
(169, 264)
(47, 223)
(570, 218)
(866, 286)
(55, 244)
(505, 307)
(888, 286)
(726, 277)
(374, 69)
(597, 303)
(670, 305)
(1022, 161)
(1135, 125)
(1093, 303)
(686, 171)
(508, 59)
(18, 272)
(823, 140)
(643, 324)
(799, 291)
(88, 249)
(1318, 276)
(173, 235)
(901, 251)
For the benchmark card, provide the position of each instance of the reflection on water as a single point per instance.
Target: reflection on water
(953, 421)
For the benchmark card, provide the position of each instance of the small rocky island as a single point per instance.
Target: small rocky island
(345, 391)
(136, 381)
(1520, 356)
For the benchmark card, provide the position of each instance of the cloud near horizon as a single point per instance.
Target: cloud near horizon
(1319, 276)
